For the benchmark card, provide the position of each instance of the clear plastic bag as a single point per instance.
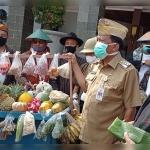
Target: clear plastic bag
(58, 96)
(16, 67)
(58, 128)
(76, 105)
(4, 63)
(54, 65)
(71, 119)
(143, 96)
(29, 124)
(30, 65)
(8, 128)
(9, 125)
(39, 134)
(42, 66)
(49, 125)
(19, 129)
(63, 70)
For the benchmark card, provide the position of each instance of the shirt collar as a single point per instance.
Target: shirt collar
(115, 61)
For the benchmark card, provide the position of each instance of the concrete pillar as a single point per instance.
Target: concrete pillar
(20, 24)
(87, 21)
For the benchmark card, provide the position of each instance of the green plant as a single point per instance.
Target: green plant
(51, 17)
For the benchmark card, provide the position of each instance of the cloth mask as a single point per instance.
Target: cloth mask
(146, 48)
(100, 50)
(39, 48)
(70, 49)
(91, 59)
(2, 41)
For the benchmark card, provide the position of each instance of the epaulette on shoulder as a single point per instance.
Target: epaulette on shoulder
(125, 64)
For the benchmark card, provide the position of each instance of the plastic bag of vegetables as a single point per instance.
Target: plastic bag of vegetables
(58, 128)
(39, 134)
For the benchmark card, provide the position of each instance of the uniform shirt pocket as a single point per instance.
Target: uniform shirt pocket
(90, 79)
(113, 92)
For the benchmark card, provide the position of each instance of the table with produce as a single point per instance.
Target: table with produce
(36, 116)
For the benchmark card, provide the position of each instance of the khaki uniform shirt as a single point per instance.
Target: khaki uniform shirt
(120, 82)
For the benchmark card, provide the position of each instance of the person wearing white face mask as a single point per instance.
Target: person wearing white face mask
(90, 58)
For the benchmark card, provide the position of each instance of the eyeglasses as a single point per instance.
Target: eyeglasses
(38, 41)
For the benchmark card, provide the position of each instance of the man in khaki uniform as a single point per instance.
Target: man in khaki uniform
(112, 85)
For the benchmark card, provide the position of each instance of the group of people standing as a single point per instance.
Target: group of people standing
(106, 84)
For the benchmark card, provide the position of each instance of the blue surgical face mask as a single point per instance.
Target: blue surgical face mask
(39, 48)
(146, 48)
(100, 50)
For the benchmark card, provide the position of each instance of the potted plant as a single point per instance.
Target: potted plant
(51, 17)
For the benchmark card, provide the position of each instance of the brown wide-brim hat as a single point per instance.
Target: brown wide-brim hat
(110, 27)
(3, 27)
(71, 35)
(144, 38)
(89, 45)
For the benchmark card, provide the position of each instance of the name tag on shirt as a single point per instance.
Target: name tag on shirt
(100, 93)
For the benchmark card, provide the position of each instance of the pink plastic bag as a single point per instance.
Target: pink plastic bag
(4, 63)
(30, 65)
(42, 66)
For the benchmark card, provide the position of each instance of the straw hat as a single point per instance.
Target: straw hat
(144, 38)
(39, 34)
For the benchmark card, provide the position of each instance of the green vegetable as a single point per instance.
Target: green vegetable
(49, 125)
(19, 129)
(139, 136)
(39, 134)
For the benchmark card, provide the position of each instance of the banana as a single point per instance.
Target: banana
(66, 136)
(69, 136)
(79, 122)
(75, 127)
(63, 139)
(78, 116)
(74, 132)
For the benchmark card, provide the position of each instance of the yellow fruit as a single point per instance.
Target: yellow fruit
(75, 127)
(25, 97)
(58, 107)
(46, 105)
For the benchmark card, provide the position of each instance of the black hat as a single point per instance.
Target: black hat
(71, 35)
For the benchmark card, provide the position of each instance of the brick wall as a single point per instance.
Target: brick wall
(20, 24)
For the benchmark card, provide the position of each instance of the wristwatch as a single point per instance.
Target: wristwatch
(143, 62)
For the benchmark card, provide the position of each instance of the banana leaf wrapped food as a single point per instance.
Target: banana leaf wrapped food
(139, 136)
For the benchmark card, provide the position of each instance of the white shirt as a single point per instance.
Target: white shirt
(144, 68)
(83, 96)
(2, 77)
(148, 87)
